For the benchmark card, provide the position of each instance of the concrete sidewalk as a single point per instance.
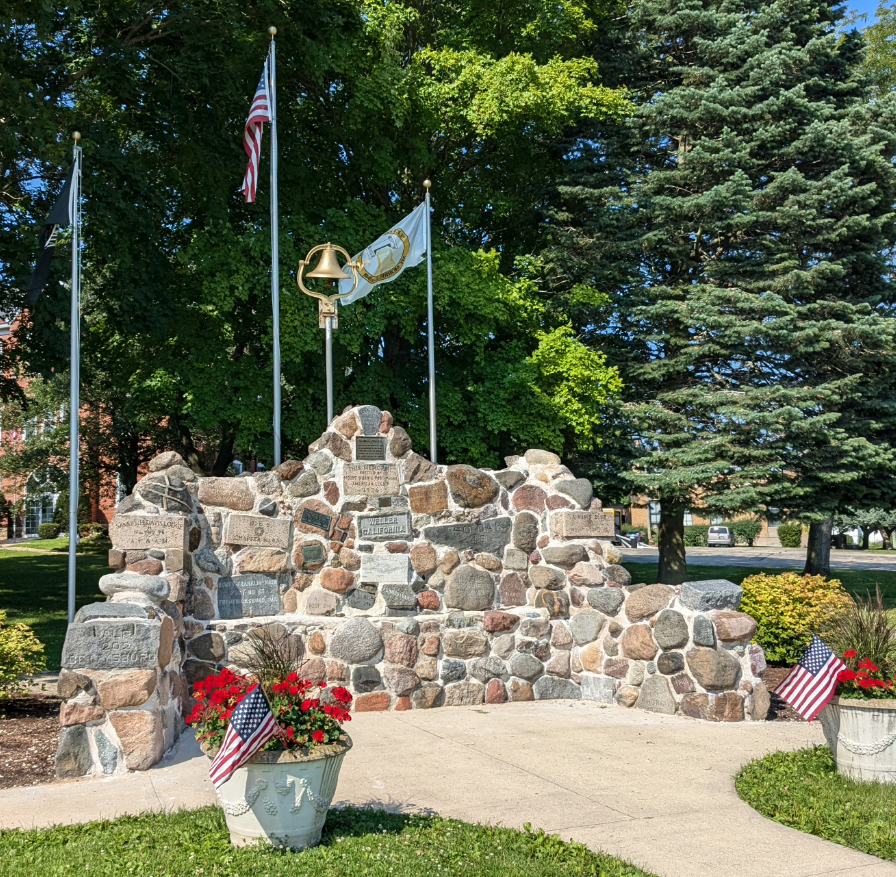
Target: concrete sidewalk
(655, 790)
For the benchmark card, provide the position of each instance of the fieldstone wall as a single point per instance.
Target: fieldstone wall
(412, 584)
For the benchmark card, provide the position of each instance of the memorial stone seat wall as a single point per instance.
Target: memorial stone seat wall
(414, 585)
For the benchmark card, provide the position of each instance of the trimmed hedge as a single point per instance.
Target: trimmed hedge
(49, 530)
(790, 535)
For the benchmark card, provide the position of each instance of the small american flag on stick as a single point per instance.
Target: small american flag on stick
(259, 113)
(251, 725)
(812, 682)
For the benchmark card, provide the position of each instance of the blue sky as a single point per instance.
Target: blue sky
(867, 6)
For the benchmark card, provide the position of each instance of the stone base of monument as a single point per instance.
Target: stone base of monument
(861, 735)
(282, 798)
(413, 585)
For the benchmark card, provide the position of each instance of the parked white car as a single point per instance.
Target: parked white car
(720, 536)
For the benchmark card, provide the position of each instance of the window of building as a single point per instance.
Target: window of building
(653, 509)
(716, 519)
(688, 518)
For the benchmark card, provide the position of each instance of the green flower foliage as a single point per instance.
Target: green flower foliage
(21, 653)
(790, 535)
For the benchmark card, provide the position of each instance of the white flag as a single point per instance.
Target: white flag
(401, 247)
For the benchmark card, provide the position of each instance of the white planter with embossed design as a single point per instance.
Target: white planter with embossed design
(861, 735)
(282, 798)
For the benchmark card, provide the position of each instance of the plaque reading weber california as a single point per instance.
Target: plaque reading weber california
(396, 525)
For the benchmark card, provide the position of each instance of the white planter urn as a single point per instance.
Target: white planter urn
(861, 735)
(282, 797)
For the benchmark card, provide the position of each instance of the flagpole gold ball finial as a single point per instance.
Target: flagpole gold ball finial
(76, 136)
(272, 31)
(427, 184)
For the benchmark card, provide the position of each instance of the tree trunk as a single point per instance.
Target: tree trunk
(818, 553)
(866, 535)
(885, 535)
(673, 568)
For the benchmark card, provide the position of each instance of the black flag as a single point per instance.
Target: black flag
(60, 217)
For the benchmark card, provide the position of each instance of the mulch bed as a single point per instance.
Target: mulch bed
(29, 732)
(779, 711)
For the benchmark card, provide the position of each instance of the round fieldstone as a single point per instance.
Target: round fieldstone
(470, 487)
(656, 696)
(670, 663)
(556, 688)
(465, 643)
(512, 590)
(355, 641)
(208, 647)
(580, 489)
(637, 643)
(546, 577)
(526, 666)
(305, 485)
(555, 602)
(484, 669)
(648, 601)
(427, 696)
(566, 556)
(617, 574)
(530, 498)
(670, 630)
(135, 588)
(423, 558)
(402, 649)
(525, 532)
(585, 626)
(586, 575)
(714, 669)
(400, 443)
(464, 694)
(453, 671)
(606, 600)
(538, 457)
(400, 680)
(704, 632)
(366, 679)
(510, 478)
(470, 588)
(734, 627)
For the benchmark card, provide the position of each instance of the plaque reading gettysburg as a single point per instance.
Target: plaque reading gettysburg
(316, 519)
(370, 479)
(242, 596)
(370, 447)
(256, 530)
(148, 531)
(392, 526)
(112, 645)
(577, 525)
(391, 568)
(491, 535)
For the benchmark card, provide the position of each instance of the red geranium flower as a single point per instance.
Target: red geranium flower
(317, 735)
(849, 653)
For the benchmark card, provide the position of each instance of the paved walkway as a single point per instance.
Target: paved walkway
(786, 558)
(656, 790)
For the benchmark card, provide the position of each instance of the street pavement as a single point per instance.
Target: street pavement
(655, 790)
(786, 558)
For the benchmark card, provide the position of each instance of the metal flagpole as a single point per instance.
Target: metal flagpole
(328, 357)
(429, 331)
(275, 243)
(74, 213)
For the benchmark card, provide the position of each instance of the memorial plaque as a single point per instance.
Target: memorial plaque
(429, 499)
(257, 530)
(392, 568)
(112, 645)
(242, 596)
(148, 531)
(312, 553)
(396, 525)
(370, 447)
(317, 519)
(490, 535)
(579, 525)
(370, 479)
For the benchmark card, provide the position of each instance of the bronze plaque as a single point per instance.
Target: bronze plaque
(312, 553)
(316, 519)
(370, 447)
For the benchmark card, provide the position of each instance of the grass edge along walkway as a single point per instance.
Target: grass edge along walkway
(802, 789)
(374, 843)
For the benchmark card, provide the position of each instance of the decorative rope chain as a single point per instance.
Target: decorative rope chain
(241, 806)
(866, 748)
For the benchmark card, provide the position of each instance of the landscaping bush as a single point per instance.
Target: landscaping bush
(92, 530)
(745, 531)
(790, 535)
(48, 530)
(789, 608)
(696, 534)
(21, 652)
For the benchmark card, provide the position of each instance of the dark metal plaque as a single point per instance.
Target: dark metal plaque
(370, 447)
(316, 519)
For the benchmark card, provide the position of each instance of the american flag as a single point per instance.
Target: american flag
(259, 113)
(251, 725)
(811, 683)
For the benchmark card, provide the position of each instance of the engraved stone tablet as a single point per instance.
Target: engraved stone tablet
(257, 530)
(382, 568)
(112, 645)
(148, 531)
(490, 535)
(242, 596)
(370, 447)
(429, 499)
(312, 553)
(317, 519)
(370, 479)
(577, 525)
(392, 526)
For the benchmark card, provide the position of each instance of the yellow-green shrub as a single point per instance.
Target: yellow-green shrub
(21, 652)
(789, 608)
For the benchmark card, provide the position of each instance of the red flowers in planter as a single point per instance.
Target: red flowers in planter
(862, 682)
(308, 714)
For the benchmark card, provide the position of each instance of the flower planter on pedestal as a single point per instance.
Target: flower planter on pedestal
(282, 797)
(861, 735)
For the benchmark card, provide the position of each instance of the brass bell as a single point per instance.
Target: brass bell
(328, 268)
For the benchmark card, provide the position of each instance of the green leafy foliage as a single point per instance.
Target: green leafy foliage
(789, 608)
(803, 790)
(790, 535)
(355, 841)
(49, 530)
(21, 652)
(696, 534)
(745, 530)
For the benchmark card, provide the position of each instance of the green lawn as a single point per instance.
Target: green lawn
(802, 789)
(856, 581)
(60, 543)
(356, 842)
(34, 588)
